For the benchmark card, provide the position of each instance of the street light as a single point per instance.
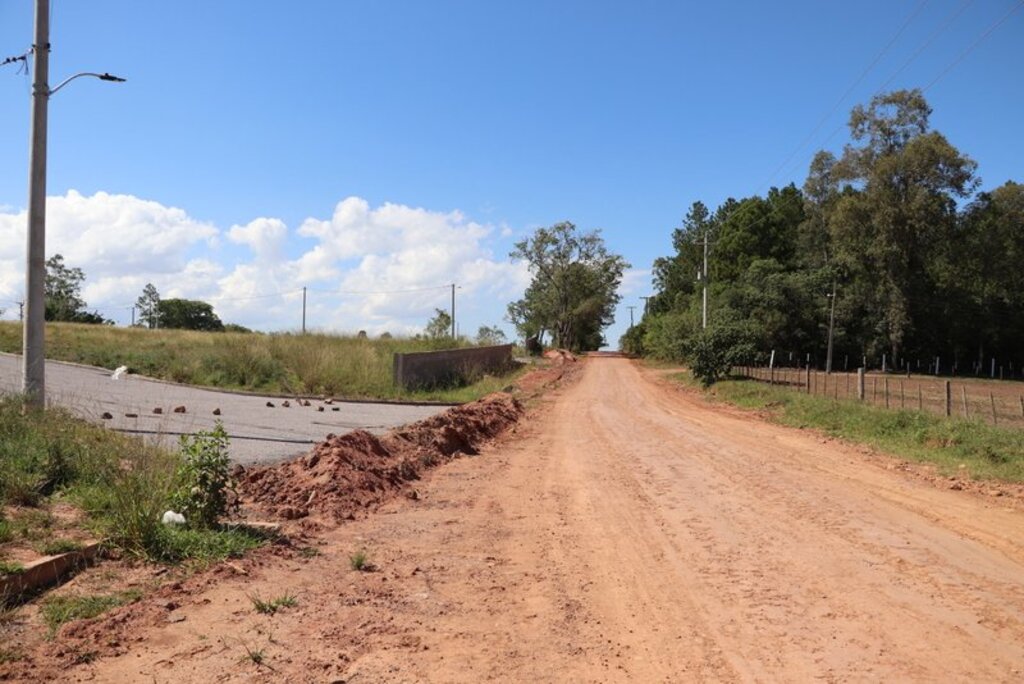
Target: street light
(33, 359)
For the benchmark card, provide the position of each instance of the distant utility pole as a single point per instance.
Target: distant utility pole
(703, 277)
(630, 315)
(303, 309)
(647, 304)
(21, 311)
(454, 335)
(133, 315)
(831, 327)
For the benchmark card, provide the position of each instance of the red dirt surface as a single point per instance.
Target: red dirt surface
(349, 473)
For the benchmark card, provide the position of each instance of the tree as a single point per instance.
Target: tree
(188, 314)
(62, 294)
(574, 288)
(440, 325)
(148, 304)
(490, 335)
(907, 180)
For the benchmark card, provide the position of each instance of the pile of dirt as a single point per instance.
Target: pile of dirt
(355, 471)
(560, 356)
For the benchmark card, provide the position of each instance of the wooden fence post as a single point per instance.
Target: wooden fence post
(963, 395)
(860, 383)
(807, 380)
(920, 398)
(903, 399)
(949, 399)
(885, 388)
(1021, 406)
(992, 400)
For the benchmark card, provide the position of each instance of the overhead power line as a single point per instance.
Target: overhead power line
(881, 53)
(970, 48)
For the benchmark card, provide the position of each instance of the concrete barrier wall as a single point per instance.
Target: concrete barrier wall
(448, 367)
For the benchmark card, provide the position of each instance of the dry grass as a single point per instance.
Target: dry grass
(282, 363)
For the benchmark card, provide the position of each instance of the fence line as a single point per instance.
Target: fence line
(995, 402)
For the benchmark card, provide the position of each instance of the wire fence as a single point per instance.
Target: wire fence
(993, 401)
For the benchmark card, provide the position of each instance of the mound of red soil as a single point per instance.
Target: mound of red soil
(345, 474)
(560, 356)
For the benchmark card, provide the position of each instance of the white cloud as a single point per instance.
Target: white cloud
(373, 268)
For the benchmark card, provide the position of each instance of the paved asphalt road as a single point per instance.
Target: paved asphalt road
(258, 433)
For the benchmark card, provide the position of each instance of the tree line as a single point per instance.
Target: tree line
(891, 242)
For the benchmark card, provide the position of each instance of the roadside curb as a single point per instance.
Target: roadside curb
(46, 571)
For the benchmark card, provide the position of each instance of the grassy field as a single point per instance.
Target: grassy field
(279, 363)
(953, 445)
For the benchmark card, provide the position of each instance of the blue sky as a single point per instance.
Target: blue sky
(222, 168)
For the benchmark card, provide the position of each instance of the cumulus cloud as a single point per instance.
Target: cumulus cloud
(373, 268)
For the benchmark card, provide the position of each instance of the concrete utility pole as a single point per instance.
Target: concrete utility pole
(303, 309)
(33, 360)
(630, 315)
(454, 336)
(33, 332)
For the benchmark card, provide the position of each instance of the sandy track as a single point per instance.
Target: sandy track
(630, 533)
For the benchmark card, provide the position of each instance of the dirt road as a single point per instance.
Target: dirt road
(630, 532)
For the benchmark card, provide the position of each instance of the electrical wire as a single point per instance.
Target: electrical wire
(981, 39)
(913, 15)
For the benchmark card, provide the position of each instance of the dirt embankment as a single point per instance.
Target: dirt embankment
(349, 473)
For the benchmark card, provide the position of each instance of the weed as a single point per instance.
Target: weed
(309, 552)
(58, 610)
(273, 605)
(360, 561)
(257, 656)
(205, 489)
(177, 544)
(10, 655)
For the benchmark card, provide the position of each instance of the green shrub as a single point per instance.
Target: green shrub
(205, 490)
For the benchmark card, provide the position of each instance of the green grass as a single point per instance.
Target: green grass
(58, 610)
(10, 567)
(279, 363)
(954, 445)
(273, 605)
(123, 485)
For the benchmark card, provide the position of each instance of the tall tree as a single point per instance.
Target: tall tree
(63, 294)
(148, 305)
(574, 288)
(440, 325)
(907, 180)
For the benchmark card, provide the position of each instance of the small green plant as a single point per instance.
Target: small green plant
(58, 610)
(10, 655)
(10, 568)
(360, 561)
(273, 605)
(205, 489)
(55, 547)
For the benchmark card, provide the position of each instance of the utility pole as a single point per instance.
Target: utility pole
(303, 309)
(831, 327)
(33, 336)
(34, 330)
(703, 277)
(21, 311)
(630, 315)
(647, 304)
(133, 315)
(454, 336)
